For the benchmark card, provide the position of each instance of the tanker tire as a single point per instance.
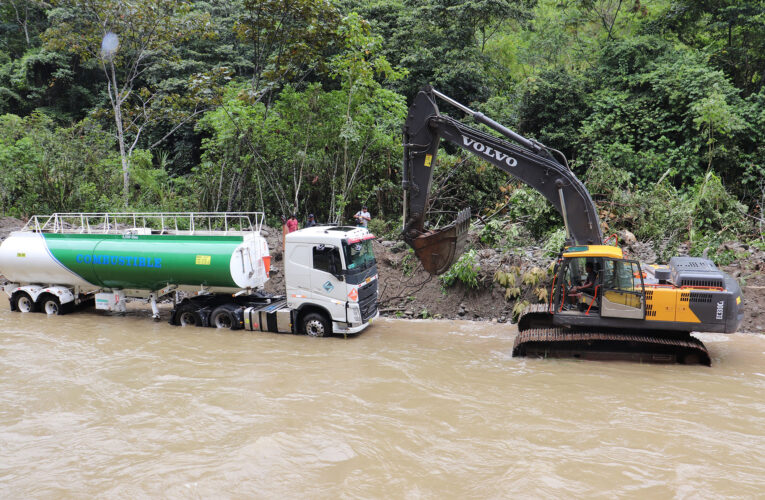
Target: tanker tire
(22, 302)
(316, 325)
(224, 317)
(188, 315)
(50, 305)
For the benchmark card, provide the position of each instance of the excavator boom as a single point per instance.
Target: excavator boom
(542, 168)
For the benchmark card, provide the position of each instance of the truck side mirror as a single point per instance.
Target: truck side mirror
(334, 266)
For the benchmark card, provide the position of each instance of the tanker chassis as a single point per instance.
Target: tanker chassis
(220, 260)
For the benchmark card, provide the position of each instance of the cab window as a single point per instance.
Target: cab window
(620, 275)
(325, 258)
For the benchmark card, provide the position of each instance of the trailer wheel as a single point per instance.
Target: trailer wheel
(188, 315)
(22, 302)
(224, 317)
(316, 325)
(51, 305)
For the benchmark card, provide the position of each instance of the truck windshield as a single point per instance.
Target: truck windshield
(359, 256)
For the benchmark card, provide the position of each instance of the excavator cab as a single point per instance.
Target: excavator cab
(595, 281)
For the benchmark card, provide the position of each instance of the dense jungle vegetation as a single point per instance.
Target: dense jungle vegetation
(297, 106)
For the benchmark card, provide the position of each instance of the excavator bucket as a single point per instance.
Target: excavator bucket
(440, 248)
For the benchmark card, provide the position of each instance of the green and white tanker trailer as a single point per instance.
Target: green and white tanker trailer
(220, 260)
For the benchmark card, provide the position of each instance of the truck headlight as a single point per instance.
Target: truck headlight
(355, 315)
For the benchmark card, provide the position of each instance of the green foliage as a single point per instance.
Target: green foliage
(731, 32)
(519, 307)
(48, 168)
(491, 232)
(298, 155)
(553, 106)
(705, 215)
(661, 110)
(383, 229)
(532, 210)
(505, 279)
(465, 270)
(554, 242)
(290, 39)
(297, 106)
(409, 262)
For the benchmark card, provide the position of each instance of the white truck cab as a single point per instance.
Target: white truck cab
(331, 279)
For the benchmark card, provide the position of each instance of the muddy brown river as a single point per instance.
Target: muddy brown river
(122, 407)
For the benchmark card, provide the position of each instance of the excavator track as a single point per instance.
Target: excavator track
(605, 345)
(535, 316)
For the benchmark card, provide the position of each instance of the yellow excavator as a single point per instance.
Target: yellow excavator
(601, 305)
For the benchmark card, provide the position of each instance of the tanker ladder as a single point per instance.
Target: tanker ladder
(602, 344)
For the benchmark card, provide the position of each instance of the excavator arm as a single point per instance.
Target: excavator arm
(539, 167)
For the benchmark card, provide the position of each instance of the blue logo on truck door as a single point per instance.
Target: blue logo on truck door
(328, 286)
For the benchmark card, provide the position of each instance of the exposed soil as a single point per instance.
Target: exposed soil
(406, 290)
(8, 225)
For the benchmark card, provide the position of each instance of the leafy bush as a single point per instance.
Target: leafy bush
(528, 207)
(383, 229)
(554, 243)
(492, 233)
(465, 270)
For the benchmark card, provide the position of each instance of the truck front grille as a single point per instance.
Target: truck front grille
(368, 290)
(368, 300)
(368, 308)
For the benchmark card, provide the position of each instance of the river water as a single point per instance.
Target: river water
(122, 407)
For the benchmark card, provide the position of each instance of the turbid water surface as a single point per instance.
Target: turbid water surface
(122, 407)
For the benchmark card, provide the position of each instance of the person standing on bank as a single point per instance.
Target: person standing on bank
(310, 222)
(362, 217)
(292, 223)
(285, 230)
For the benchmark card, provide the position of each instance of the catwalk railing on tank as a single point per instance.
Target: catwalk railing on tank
(189, 223)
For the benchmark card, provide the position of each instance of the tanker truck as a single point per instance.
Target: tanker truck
(220, 261)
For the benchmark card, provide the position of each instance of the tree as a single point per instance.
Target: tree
(129, 39)
(715, 116)
(356, 68)
(28, 18)
(290, 39)
(732, 32)
(47, 168)
(444, 42)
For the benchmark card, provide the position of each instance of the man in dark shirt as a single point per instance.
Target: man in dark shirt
(311, 222)
(589, 283)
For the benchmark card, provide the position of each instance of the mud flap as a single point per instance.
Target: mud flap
(439, 249)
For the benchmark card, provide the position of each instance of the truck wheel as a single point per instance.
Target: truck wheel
(22, 302)
(224, 317)
(316, 325)
(51, 305)
(188, 315)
